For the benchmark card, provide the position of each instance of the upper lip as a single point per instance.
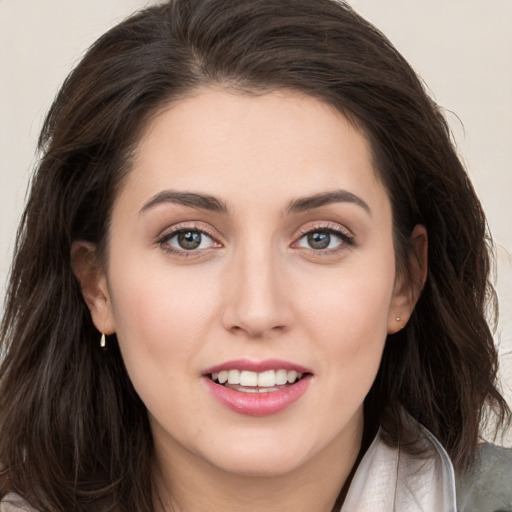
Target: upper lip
(257, 366)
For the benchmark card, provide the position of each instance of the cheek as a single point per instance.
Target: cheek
(156, 305)
(349, 320)
(353, 301)
(352, 334)
(161, 322)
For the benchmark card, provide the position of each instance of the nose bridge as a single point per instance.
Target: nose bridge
(256, 303)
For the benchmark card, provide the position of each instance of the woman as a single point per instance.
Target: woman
(251, 275)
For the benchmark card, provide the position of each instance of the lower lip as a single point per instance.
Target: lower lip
(258, 404)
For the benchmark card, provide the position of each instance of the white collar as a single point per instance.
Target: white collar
(390, 480)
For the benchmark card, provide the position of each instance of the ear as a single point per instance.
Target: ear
(93, 283)
(408, 287)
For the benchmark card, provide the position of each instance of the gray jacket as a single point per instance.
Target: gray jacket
(488, 486)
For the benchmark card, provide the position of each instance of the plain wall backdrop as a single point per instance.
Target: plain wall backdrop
(461, 48)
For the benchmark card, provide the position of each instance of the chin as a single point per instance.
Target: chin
(261, 457)
(261, 467)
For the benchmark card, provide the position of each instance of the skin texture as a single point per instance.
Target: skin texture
(254, 289)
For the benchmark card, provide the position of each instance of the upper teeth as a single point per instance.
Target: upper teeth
(266, 379)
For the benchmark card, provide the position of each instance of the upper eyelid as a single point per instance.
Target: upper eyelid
(164, 239)
(333, 227)
(190, 226)
(325, 226)
(344, 234)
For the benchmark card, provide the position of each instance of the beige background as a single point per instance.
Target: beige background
(462, 49)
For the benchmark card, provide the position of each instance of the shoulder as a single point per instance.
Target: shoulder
(13, 503)
(487, 487)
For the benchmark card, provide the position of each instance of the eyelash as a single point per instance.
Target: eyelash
(164, 240)
(346, 239)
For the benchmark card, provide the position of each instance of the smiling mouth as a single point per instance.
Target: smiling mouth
(256, 382)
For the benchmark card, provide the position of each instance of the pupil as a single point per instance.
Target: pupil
(189, 240)
(319, 240)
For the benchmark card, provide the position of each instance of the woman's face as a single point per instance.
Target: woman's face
(252, 235)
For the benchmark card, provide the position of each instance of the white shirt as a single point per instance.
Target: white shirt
(390, 480)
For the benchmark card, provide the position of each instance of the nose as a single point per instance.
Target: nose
(257, 305)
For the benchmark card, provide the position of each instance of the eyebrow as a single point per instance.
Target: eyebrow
(211, 203)
(316, 201)
(190, 199)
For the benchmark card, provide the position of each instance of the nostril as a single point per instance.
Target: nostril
(255, 331)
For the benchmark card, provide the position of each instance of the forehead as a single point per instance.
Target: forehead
(228, 143)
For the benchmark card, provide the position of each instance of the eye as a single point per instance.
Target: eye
(188, 240)
(324, 239)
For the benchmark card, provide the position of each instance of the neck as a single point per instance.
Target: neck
(188, 483)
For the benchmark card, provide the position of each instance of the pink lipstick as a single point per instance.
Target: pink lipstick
(257, 388)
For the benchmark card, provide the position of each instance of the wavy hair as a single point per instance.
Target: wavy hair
(74, 434)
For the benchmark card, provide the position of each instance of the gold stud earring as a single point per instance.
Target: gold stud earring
(103, 341)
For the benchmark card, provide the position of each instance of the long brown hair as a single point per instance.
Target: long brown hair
(74, 434)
